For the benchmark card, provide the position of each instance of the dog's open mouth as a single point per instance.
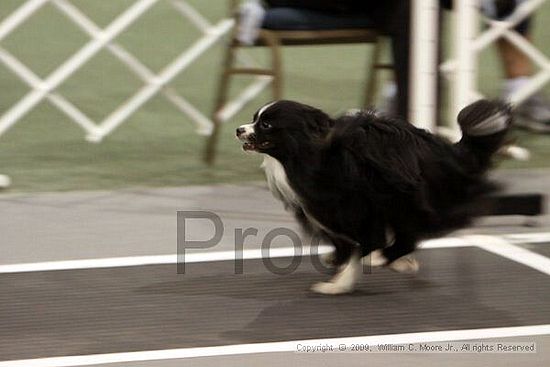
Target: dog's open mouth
(252, 146)
(249, 146)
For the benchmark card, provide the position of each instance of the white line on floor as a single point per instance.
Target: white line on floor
(89, 263)
(501, 247)
(521, 238)
(250, 254)
(114, 262)
(444, 242)
(286, 346)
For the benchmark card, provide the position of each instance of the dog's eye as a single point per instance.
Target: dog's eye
(265, 125)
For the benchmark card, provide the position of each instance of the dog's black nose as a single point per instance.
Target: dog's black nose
(240, 131)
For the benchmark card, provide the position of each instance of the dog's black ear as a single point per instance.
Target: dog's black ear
(318, 121)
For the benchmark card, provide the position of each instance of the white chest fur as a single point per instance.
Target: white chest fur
(278, 182)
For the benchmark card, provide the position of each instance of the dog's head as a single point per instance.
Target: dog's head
(284, 128)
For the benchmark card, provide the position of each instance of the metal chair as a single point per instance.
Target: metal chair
(274, 40)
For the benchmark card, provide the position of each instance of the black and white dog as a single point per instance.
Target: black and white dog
(356, 178)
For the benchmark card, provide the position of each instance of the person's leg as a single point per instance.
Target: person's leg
(514, 62)
(400, 34)
(517, 66)
(535, 111)
(394, 20)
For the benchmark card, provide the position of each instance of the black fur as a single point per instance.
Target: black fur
(359, 175)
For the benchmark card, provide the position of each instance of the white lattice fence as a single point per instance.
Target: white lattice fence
(105, 38)
(462, 68)
(469, 42)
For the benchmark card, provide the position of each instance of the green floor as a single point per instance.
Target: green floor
(158, 146)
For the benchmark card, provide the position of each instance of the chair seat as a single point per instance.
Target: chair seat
(293, 26)
(296, 19)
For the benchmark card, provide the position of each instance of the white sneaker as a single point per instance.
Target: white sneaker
(251, 16)
(534, 114)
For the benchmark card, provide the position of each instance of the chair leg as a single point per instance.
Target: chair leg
(277, 86)
(371, 87)
(276, 63)
(221, 98)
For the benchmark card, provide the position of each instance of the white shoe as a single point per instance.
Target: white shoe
(251, 16)
(534, 114)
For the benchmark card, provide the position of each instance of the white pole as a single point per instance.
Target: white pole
(423, 73)
(465, 30)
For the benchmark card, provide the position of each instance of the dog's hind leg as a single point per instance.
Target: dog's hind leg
(373, 245)
(398, 256)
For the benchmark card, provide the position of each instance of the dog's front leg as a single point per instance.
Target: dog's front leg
(344, 281)
(346, 277)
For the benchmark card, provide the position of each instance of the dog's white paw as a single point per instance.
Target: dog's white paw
(344, 281)
(331, 288)
(375, 259)
(405, 265)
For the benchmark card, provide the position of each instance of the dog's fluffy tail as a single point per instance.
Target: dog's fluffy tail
(484, 126)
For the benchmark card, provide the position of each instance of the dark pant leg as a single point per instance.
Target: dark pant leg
(393, 18)
(400, 35)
